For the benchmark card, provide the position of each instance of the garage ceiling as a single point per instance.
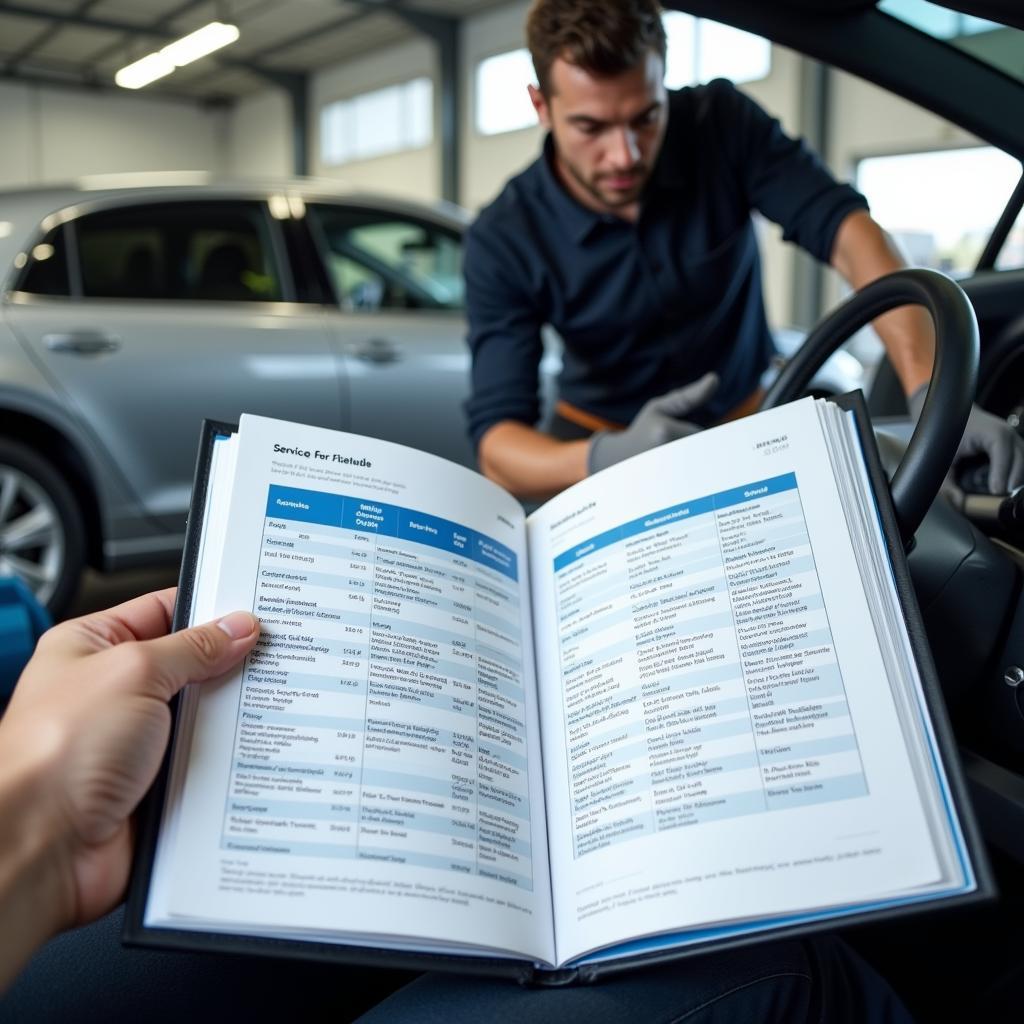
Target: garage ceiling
(84, 42)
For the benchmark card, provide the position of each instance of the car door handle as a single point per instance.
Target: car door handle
(377, 350)
(82, 343)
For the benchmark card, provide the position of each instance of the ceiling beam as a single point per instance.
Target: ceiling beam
(77, 84)
(159, 31)
(164, 22)
(45, 36)
(296, 40)
(81, 20)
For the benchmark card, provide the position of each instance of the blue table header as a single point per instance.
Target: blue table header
(369, 516)
(676, 514)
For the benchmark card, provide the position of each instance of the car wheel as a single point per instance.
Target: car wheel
(42, 539)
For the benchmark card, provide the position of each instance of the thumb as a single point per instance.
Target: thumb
(196, 654)
(685, 399)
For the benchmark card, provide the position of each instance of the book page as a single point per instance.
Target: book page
(720, 738)
(372, 774)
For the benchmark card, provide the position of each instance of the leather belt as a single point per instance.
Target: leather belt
(591, 421)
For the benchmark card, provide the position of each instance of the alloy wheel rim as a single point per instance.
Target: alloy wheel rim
(31, 536)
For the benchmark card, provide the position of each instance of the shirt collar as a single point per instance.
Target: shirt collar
(577, 218)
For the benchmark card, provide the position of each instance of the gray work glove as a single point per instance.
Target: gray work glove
(659, 421)
(986, 435)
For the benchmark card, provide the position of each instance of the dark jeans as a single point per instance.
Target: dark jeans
(87, 976)
(820, 980)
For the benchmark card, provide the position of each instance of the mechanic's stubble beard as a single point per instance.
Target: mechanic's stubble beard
(615, 200)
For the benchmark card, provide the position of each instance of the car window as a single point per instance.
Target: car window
(45, 266)
(1011, 256)
(206, 251)
(941, 205)
(382, 261)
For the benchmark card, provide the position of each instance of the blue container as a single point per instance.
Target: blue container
(23, 620)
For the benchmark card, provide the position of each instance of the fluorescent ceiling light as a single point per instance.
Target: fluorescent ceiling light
(144, 71)
(177, 54)
(199, 43)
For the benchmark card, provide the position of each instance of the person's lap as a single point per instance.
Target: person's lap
(820, 980)
(86, 975)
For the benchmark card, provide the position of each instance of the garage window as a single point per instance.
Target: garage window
(941, 206)
(502, 102)
(380, 261)
(377, 123)
(204, 251)
(698, 50)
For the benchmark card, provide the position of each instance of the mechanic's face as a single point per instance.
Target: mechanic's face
(607, 131)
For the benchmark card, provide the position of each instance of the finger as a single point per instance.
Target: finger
(146, 617)
(142, 618)
(163, 666)
(684, 400)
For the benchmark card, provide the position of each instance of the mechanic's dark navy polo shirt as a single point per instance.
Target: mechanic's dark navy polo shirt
(646, 307)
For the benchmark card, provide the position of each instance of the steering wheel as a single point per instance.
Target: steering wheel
(950, 392)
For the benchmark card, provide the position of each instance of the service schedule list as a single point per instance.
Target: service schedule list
(700, 680)
(381, 716)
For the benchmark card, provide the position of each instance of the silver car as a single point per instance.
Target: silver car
(129, 314)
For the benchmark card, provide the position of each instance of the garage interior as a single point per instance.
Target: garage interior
(423, 102)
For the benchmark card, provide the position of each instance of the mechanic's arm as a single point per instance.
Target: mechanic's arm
(528, 463)
(80, 743)
(532, 465)
(862, 251)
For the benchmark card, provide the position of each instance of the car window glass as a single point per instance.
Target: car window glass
(386, 261)
(205, 251)
(1011, 256)
(942, 205)
(46, 266)
(358, 287)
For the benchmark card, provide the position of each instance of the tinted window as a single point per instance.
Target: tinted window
(46, 269)
(213, 251)
(383, 261)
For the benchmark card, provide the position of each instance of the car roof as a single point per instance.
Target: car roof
(27, 213)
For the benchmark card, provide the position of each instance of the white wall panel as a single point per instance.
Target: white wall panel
(19, 136)
(259, 136)
(56, 135)
(415, 174)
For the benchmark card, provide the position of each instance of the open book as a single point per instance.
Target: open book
(677, 706)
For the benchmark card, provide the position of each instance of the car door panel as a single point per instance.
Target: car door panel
(407, 377)
(142, 376)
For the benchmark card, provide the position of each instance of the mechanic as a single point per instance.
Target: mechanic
(631, 235)
(80, 743)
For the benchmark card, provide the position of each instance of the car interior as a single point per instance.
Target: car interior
(966, 556)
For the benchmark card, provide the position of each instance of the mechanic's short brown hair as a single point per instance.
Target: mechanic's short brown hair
(603, 37)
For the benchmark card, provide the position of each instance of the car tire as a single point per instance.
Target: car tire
(42, 537)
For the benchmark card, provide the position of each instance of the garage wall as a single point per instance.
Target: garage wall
(415, 173)
(55, 135)
(259, 136)
(489, 160)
